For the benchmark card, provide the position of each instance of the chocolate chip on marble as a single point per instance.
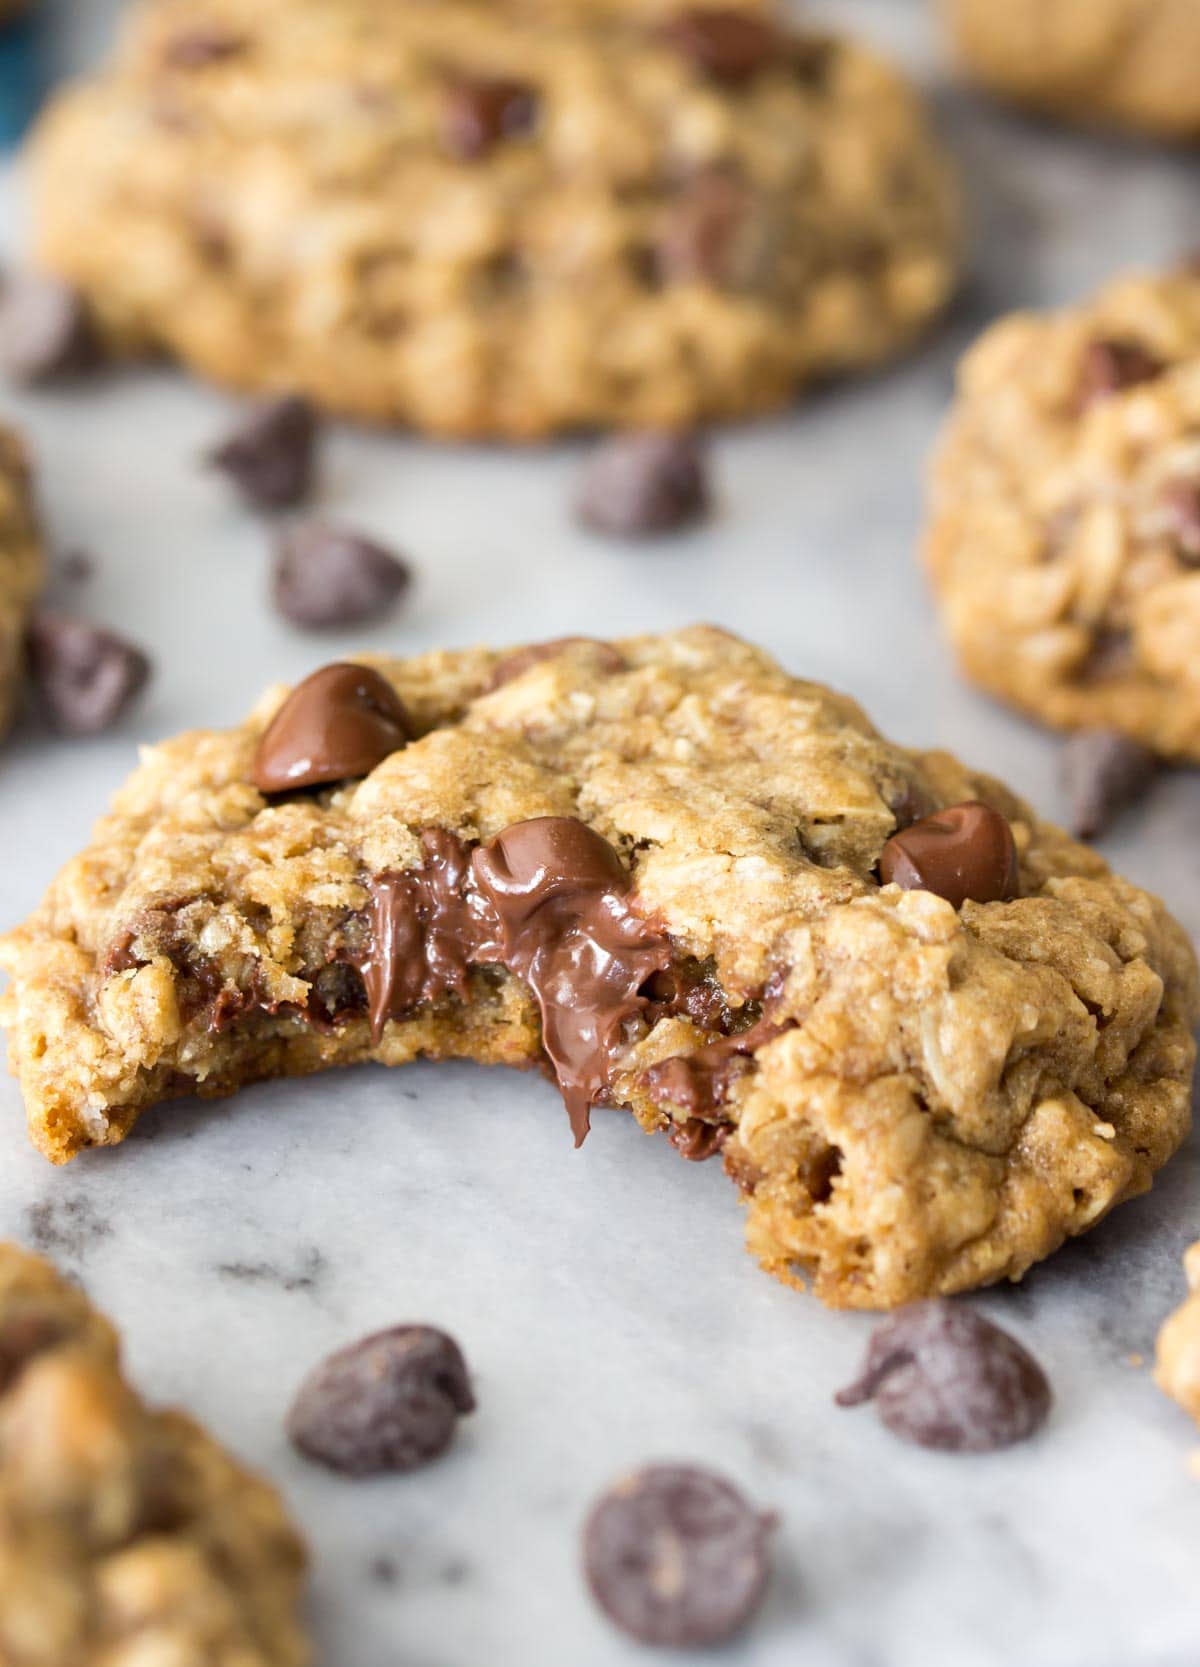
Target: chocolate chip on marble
(390, 1402)
(270, 457)
(1103, 773)
(326, 576)
(676, 1556)
(727, 44)
(1181, 505)
(46, 332)
(942, 1376)
(965, 853)
(637, 485)
(478, 114)
(202, 45)
(85, 676)
(1114, 363)
(337, 724)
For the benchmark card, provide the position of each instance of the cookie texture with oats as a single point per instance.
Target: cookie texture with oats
(1122, 62)
(21, 565)
(1064, 529)
(499, 217)
(127, 1535)
(912, 1097)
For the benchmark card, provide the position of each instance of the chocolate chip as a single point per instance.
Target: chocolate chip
(636, 485)
(478, 114)
(676, 1557)
(698, 1141)
(326, 576)
(727, 44)
(387, 1403)
(46, 332)
(202, 45)
(338, 724)
(965, 853)
(270, 457)
(85, 676)
(1111, 655)
(1114, 363)
(700, 238)
(514, 665)
(1103, 772)
(1181, 502)
(943, 1376)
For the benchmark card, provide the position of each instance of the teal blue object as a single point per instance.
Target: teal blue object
(20, 77)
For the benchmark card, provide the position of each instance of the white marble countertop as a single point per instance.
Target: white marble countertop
(602, 1297)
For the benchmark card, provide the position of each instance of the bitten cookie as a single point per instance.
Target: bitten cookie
(1127, 62)
(21, 565)
(500, 217)
(126, 1534)
(931, 1035)
(1064, 533)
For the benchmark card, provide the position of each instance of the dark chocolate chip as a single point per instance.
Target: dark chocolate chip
(701, 236)
(338, 724)
(698, 1141)
(514, 665)
(964, 853)
(636, 485)
(1181, 502)
(202, 45)
(1114, 363)
(1110, 656)
(478, 114)
(725, 43)
(943, 1376)
(271, 456)
(1103, 773)
(676, 1557)
(387, 1403)
(326, 576)
(85, 676)
(46, 332)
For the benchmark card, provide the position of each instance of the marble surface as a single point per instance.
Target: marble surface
(602, 1297)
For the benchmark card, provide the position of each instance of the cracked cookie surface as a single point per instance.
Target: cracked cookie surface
(913, 1097)
(502, 218)
(127, 1535)
(1114, 61)
(1064, 532)
(21, 565)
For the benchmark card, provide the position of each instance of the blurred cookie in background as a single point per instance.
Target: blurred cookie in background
(1124, 62)
(1064, 536)
(500, 219)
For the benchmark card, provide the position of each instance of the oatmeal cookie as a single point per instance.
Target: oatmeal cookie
(1177, 1367)
(1111, 61)
(1064, 537)
(21, 566)
(501, 217)
(126, 1534)
(653, 866)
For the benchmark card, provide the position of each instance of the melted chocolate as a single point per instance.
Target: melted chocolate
(560, 893)
(548, 900)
